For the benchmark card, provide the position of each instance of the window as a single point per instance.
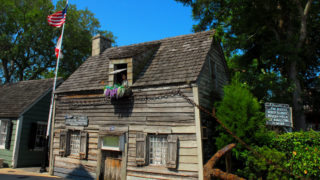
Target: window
(3, 132)
(74, 142)
(158, 147)
(160, 150)
(113, 142)
(37, 136)
(122, 75)
(110, 143)
(40, 136)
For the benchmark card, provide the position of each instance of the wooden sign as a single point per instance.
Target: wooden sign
(278, 114)
(76, 120)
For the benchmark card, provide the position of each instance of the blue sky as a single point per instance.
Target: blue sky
(135, 21)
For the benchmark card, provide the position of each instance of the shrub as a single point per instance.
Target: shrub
(302, 152)
(298, 153)
(240, 111)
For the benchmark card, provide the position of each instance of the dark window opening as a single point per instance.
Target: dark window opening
(119, 77)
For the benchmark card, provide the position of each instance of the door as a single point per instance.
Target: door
(111, 165)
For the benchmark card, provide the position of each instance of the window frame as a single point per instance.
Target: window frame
(117, 76)
(129, 74)
(121, 143)
(69, 141)
(163, 154)
(38, 148)
(6, 133)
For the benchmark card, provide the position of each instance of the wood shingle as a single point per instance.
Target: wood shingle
(175, 60)
(17, 97)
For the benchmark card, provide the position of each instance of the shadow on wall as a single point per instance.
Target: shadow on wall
(123, 107)
(79, 173)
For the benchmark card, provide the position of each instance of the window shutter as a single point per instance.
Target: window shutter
(8, 136)
(172, 151)
(63, 143)
(32, 136)
(83, 144)
(141, 149)
(122, 142)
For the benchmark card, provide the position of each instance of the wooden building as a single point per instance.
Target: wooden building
(24, 109)
(152, 133)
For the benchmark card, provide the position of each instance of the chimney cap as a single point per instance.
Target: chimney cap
(99, 44)
(100, 36)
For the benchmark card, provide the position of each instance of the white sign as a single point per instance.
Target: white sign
(278, 114)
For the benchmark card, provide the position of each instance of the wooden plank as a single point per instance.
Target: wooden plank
(161, 171)
(188, 167)
(76, 161)
(188, 152)
(186, 129)
(188, 159)
(198, 134)
(151, 129)
(188, 144)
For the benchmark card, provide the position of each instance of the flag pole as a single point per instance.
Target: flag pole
(54, 85)
(47, 140)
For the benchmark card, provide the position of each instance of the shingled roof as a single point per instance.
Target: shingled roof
(15, 98)
(175, 60)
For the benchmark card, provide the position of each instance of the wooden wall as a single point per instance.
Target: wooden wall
(7, 154)
(38, 113)
(159, 114)
(213, 77)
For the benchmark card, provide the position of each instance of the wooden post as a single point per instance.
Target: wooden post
(228, 162)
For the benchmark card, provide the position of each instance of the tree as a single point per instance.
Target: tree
(240, 111)
(27, 42)
(273, 40)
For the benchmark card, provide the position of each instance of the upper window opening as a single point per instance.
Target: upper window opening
(121, 77)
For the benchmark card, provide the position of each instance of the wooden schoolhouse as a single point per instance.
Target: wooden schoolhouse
(24, 110)
(127, 112)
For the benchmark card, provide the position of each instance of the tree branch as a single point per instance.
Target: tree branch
(303, 29)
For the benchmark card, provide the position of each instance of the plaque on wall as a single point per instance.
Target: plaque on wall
(76, 120)
(278, 114)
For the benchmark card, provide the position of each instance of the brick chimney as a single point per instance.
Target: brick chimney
(99, 44)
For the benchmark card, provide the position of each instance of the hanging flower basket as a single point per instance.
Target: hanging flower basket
(116, 91)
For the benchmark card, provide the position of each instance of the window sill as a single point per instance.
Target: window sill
(36, 149)
(110, 149)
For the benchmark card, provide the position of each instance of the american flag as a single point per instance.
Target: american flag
(57, 19)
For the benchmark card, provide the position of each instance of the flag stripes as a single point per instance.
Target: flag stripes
(58, 47)
(57, 19)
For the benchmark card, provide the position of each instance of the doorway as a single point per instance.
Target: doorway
(111, 165)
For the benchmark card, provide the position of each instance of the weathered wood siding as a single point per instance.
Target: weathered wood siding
(213, 77)
(7, 154)
(38, 113)
(159, 114)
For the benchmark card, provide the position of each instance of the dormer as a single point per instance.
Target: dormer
(130, 64)
(119, 68)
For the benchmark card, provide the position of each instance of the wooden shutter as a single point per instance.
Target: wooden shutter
(32, 136)
(8, 136)
(141, 149)
(172, 151)
(83, 144)
(63, 143)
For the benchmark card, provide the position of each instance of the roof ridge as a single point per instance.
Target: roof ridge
(159, 40)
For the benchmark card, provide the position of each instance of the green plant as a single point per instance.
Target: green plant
(258, 168)
(240, 112)
(302, 151)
